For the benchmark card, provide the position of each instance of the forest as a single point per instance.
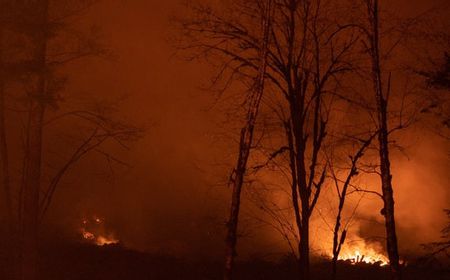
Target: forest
(224, 139)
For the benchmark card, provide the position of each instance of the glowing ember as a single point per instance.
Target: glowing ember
(94, 231)
(88, 235)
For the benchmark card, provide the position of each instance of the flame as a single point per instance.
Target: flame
(87, 235)
(96, 233)
(103, 240)
(360, 252)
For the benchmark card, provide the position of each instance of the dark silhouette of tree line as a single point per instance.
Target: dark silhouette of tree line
(37, 40)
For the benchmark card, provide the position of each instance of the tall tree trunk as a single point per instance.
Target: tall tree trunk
(231, 238)
(4, 162)
(294, 184)
(31, 188)
(299, 189)
(296, 111)
(245, 144)
(304, 248)
(304, 194)
(386, 177)
(33, 149)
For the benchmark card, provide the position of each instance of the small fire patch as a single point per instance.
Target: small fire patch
(93, 230)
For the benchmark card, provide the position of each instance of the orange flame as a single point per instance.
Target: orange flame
(97, 235)
(103, 240)
(360, 252)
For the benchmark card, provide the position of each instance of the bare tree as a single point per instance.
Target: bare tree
(46, 42)
(340, 234)
(306, 56)
(382, 88)
(315, 58)
(246, 141)
(103, 128)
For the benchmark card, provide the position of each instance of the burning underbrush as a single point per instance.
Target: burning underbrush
(95, 231)
(360, 252)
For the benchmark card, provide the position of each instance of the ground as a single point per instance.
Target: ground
(113, 262)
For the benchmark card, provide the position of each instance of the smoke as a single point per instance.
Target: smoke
(168, 198)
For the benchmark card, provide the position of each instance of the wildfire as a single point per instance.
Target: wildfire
(363, 253)
(94, 231)
(102, 240)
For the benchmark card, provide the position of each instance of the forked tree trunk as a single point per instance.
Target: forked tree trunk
(305, 181)
(338, 236)
(246, 140)
(386, 177)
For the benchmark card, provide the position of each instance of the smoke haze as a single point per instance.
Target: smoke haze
(171, 198)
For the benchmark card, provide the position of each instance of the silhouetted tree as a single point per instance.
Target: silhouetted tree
(246, 140)
(4, 159)
(40, 28)
(305, 59)
(4, 156)
(339, 233)
(382, 88)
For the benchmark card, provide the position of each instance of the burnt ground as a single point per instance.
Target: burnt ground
(113, 262)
